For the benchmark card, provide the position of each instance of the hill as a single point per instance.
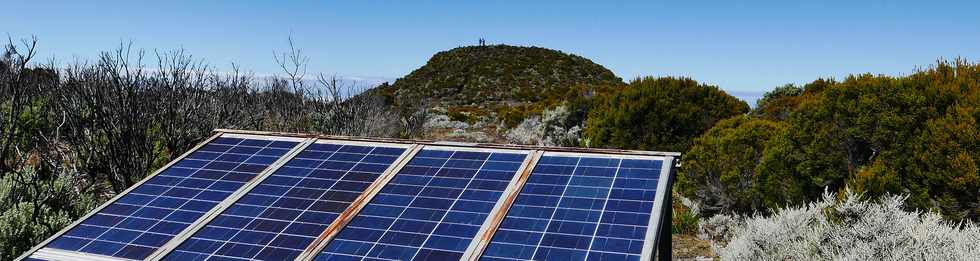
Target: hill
(488, 76)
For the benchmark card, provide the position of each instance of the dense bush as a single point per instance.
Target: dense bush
(719, 171)
(32, 207)
(778, 103)
(658, 114)
(844, 228)
(916, 135)
(783, 100)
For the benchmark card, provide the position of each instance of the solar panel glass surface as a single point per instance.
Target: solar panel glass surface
(430, 210)
(148, 216)
(579, 208)
(285, 212)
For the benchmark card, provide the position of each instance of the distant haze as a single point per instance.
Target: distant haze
(748, 96)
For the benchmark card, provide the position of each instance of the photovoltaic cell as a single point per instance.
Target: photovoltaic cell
(144, 219)
(430, 210)
(282, 215)
(579, 208)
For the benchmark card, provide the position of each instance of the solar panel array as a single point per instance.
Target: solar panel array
(267, 197)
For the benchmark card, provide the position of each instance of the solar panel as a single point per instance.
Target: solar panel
(578, 207)
(431, 209)
(140, 221)
(286, 211)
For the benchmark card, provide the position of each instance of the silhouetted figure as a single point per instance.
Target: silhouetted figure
(483, 41)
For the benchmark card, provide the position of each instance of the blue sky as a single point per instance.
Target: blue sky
(744, 47)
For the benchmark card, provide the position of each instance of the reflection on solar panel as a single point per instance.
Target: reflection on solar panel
(578, 208)
(151, 214)
(269, 196)
(431, 209)
(286, 211)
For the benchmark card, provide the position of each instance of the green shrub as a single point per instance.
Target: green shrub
(658, 114)
(780, 102)
(458, 116)
(684, 218)
(915, 135)
(33, 207)
(719, 171)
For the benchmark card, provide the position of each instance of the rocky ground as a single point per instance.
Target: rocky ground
(689, 247)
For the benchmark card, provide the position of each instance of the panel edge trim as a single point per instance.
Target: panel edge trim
(653, 227)
(499, 212)
(58, 254)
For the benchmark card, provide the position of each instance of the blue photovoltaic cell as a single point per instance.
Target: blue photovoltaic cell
(281, 216)
(148, 216)
(430, 210)
(579, 208)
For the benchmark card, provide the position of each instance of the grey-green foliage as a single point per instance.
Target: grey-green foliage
(552, 128)
(844, 228)
(32, 207)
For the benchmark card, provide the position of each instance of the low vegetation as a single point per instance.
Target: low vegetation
(553, 128)
(846, 226)
(720, 169)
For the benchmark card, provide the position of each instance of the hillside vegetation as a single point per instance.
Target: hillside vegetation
(914, 135)
(497, 86)
(490, 76)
